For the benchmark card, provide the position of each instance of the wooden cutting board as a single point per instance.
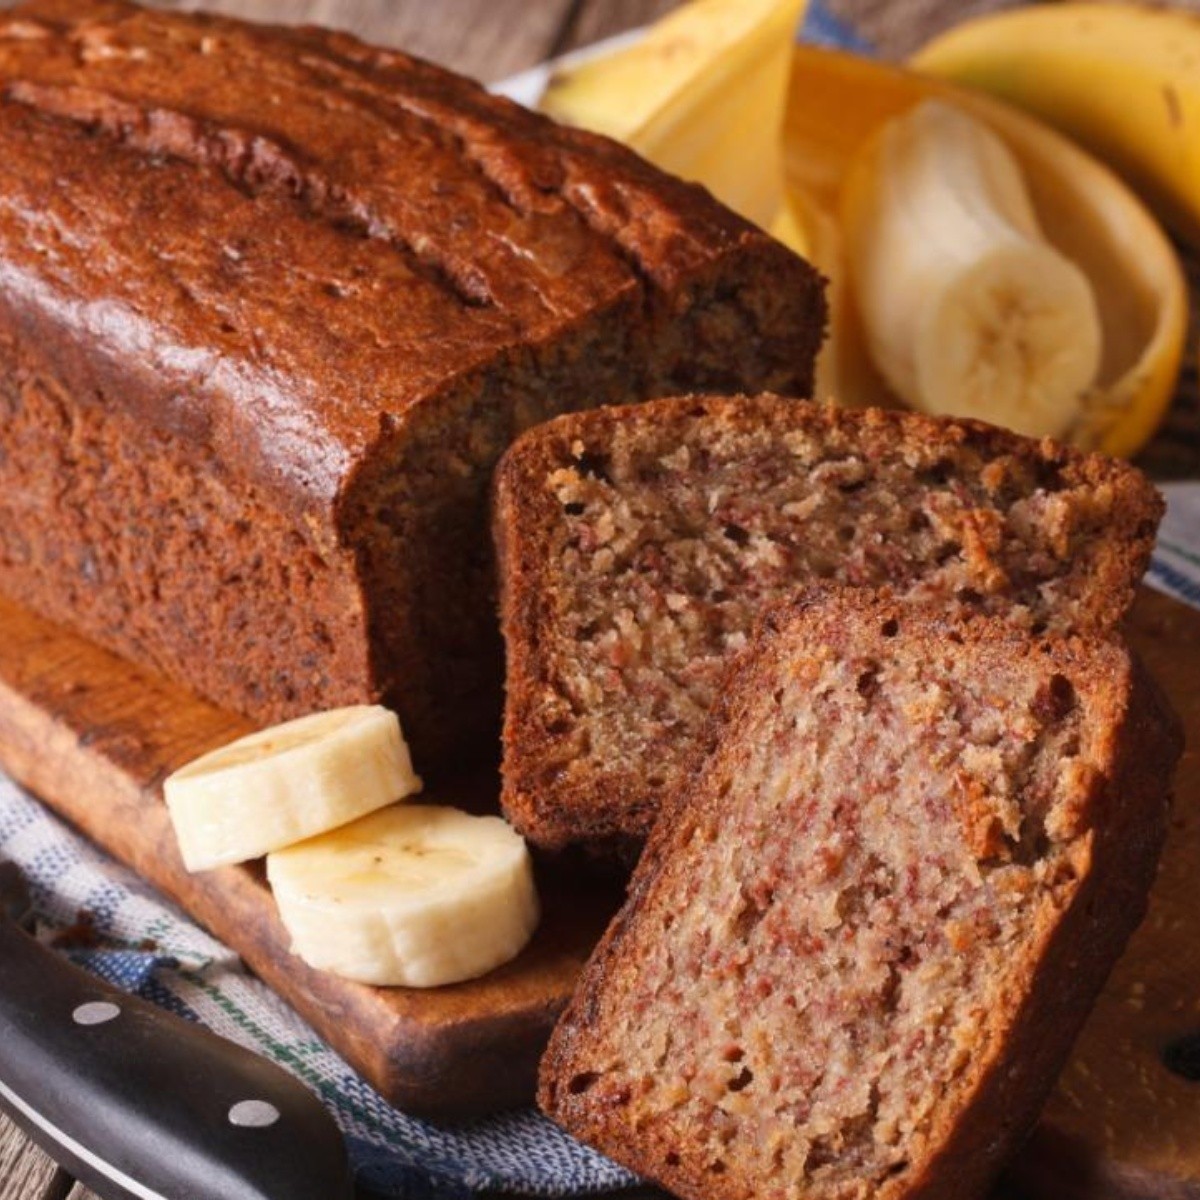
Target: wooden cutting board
(95, 737)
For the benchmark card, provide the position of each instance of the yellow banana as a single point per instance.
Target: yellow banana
(701, 95)
(1121, 79)
(845, 373)
(969, 311)
(838, 102)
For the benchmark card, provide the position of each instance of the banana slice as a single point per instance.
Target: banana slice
(969, 311)
(287, 783)
(412, 896)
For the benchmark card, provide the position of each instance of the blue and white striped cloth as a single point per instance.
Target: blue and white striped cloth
(145, 944)
(1175, 568)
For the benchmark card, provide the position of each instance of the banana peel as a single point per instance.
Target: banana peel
(845, 372)
(701, 95)
(838, 101)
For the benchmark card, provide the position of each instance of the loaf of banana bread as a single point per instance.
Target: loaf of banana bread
(859, 946)
(272, 303)
(638, 546)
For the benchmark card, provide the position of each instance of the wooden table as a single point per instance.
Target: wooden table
(492, 39)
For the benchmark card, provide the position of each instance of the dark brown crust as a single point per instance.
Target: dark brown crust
(290, 262)
(1024, 1043)
(355, 143)
(614, 813)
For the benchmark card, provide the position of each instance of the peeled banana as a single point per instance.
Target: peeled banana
(838, 102)
(969, 312)
(1121, 79)
(286, 783)
(701, 95)
(412, 896)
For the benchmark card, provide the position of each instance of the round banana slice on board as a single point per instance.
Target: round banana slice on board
(287, 783)
(411, 896)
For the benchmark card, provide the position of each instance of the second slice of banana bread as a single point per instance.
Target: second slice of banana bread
(638, 546)
(858, 948)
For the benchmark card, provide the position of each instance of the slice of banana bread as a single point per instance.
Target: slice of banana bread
(272, 303)
(860, 944)
(639, 545)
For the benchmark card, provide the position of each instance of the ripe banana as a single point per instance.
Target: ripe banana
(837, 102)
(411, 896)
(1121, 79)
(969, 312)
(286, 783)
(701, 95)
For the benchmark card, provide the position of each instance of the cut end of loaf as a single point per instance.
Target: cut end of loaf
(640, 546)
(842, 971)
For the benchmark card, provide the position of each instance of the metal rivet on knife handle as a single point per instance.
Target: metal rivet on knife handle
(253, 1114)
(95, 1012)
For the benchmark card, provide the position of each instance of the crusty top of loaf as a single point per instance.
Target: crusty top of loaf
(297, 233)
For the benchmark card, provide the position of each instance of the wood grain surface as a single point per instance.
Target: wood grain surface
(492, 38)
(24, 1170)
(95, 737)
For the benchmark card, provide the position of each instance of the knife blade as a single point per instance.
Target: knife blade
(140, 1104)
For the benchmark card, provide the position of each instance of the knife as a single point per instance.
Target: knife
(143, 1105)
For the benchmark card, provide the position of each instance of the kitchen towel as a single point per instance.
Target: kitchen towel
(112, 923)
(1175, 567)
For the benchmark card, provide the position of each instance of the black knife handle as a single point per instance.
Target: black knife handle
(143, 1105)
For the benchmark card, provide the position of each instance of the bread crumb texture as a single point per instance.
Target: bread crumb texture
(841, 929)
(654, 539)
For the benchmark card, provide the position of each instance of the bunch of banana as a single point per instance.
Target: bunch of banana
(406, 895)
(1091, 354)
(1078, 208)
(1121, 79)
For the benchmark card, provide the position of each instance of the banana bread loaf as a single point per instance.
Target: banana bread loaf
(272, 302)
(861, 942)
(639, 545)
